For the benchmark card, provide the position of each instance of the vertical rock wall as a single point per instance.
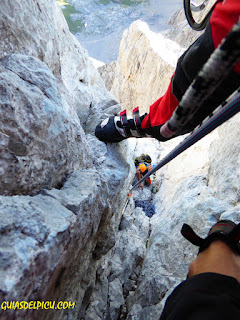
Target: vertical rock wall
(144, 67)
(199, 187)
(60, 188)
(67, 233)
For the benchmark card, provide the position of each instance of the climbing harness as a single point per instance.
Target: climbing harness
(224, 230)
(189, 6)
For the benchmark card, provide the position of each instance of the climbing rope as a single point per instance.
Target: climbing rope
(220, 115)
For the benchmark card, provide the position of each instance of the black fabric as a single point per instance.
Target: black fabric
(146, 206)
(145, 172)
(155, 133)
(191, 62)
(224, 230)
(188, 66)
(109, 132)
(207, 296)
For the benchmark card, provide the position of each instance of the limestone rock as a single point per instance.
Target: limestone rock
(180, 31)
(121, 265)
(191, 191)
(85, 241)
(41, 141)
(43, 237)
(188, 193)
(224, 172)
(99, 111)
(108, 73)
(39, 29)
(144, 67)
(199, 187)
(53, 238)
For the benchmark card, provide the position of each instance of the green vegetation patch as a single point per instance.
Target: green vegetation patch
(75, 25)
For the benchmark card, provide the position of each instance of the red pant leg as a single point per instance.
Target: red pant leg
(161, 110)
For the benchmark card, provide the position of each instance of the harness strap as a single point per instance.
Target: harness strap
(125, 124)
(137, 122)
(132, 127)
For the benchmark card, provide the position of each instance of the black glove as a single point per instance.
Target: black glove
(224, 230)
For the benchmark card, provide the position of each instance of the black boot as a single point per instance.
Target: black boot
(118, 128)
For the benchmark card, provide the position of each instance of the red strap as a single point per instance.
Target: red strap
(137, 122)
(124, 122)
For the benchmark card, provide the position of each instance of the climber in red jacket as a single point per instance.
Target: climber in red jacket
(225, 14)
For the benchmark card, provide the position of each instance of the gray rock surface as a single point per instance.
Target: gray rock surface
(225, 163)
(61, 190)
(108, 73)
(188, 193)
(180, 30)
(38, 28)
(144, 67)
(68, 230)
(199, 187)
(52, 97)
(120, 268)
(41, 141)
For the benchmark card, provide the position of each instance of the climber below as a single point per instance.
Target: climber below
(143, 166)
(117, 128)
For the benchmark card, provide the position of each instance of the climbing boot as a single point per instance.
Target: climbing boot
(118, 128)
(224, 230)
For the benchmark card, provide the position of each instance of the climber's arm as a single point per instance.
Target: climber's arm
(205, 296)
(212, 290)
(217, 258)
(139, 176)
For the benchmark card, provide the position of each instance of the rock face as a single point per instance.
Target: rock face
(180, 31)
(41, 141)
(68, 230)
(192, 190)
(48, 101)
(61, 189)
(144, 67)
(38, 29)
(199, 187)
